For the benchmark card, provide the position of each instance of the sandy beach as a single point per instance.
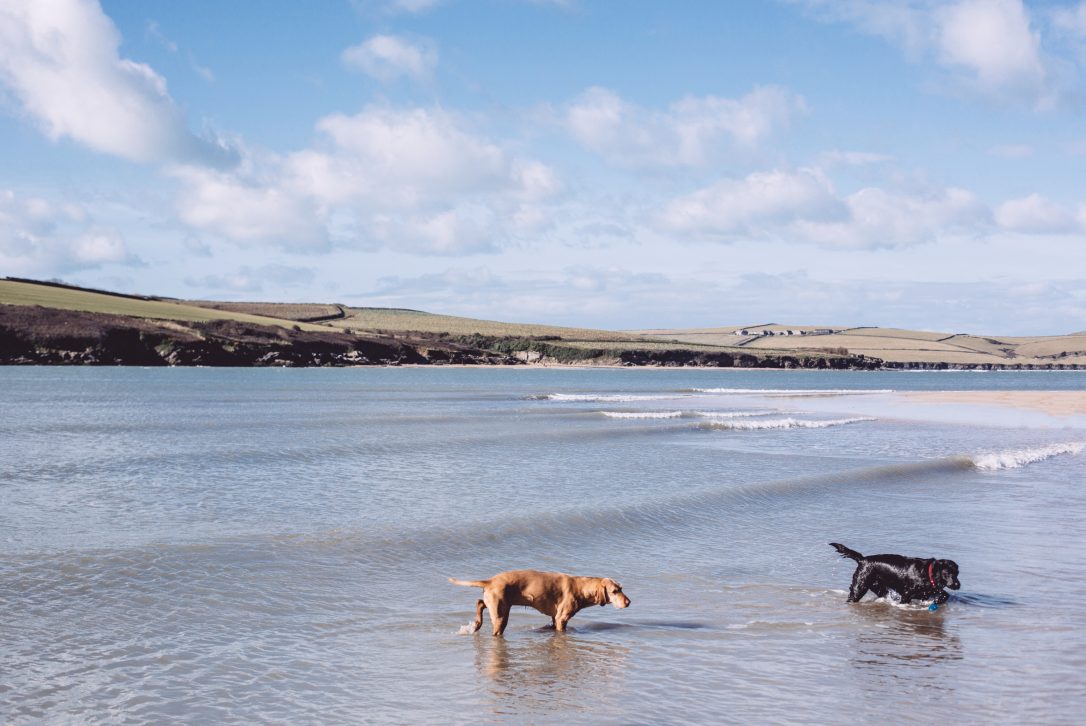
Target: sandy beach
(1055, 403)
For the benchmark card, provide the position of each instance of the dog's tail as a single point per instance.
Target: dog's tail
(846, 552)
(470, 583)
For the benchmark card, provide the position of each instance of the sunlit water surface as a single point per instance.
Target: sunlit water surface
(241, 546)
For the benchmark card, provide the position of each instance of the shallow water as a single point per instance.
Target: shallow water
(273, 545)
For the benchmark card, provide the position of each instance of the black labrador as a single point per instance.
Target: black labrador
(910, 577)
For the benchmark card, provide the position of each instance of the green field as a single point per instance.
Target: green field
(895, 344)
(393, 319)
(24, 293)
(889, 344)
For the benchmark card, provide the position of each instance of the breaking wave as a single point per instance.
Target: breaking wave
(642, 414)
(605, 397)
(1020, 457)
(688, 414)
(796, 391)
(736, 414)
(782, 423)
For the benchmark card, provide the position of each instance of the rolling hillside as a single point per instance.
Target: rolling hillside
(894, 345)
(245, 326)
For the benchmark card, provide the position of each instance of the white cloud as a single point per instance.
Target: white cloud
(994, 307)
(803, 206)
(408, 155)
(99, 247)
(1035, 214)
(39, 237)
(692, 132)
(1070, 20)
(249, 280)
(388, 57)
(413, 6)
(881, 219)
(990, 47)
(617, 298)
(585, 295)
(417, 180)
(902, 22)
(757, 206)
(248, 210)
(461, 230)
(993, 40)
(60, 60)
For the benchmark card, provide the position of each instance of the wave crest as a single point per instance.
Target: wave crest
(604, 397)
(736, 414)
(797, 391)
(642, 414)
(783, 423)
(1021, 457)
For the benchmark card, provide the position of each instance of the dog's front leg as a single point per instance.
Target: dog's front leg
(862, 580)
(500, 618)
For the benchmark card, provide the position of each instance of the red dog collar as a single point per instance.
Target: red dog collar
(931, 566)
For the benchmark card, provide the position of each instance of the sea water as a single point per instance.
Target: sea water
(265, 545)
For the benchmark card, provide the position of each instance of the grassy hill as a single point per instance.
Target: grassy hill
(895, 345)
(450, 338)
(19, 292)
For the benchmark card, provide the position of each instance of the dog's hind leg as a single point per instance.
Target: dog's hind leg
(480, 606)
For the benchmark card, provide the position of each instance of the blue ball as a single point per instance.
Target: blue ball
(933, 607)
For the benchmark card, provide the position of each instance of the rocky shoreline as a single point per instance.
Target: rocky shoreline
(32, 335)
(41, 336)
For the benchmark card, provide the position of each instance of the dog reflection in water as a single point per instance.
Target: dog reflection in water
(552, 593)
(532, 677)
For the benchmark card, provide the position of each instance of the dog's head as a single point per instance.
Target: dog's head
(945, 574)
(611, 593)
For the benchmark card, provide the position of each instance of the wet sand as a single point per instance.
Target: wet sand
(1054, 403)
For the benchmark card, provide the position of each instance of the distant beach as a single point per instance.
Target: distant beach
(1054, 403)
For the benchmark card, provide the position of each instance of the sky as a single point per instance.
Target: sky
(600, 163)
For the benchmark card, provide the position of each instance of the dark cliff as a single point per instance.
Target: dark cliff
(32, 335)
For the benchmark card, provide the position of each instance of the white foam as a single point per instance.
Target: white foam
(784, 423)
(642, 414)
(735, 414)
(797, 391)
(466, 629)
(607, 397)
(714, 415)
(1020, 457)
(894, 601)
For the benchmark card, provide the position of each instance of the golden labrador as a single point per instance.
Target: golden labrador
(551, 593)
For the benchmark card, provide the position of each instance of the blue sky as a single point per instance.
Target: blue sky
(607, 164)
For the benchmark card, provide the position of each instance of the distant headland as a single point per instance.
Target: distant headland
(53, 323)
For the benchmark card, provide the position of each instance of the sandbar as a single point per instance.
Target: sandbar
(1053, 403)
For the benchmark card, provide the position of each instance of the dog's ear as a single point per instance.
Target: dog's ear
(948, 572)
(603, 594)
